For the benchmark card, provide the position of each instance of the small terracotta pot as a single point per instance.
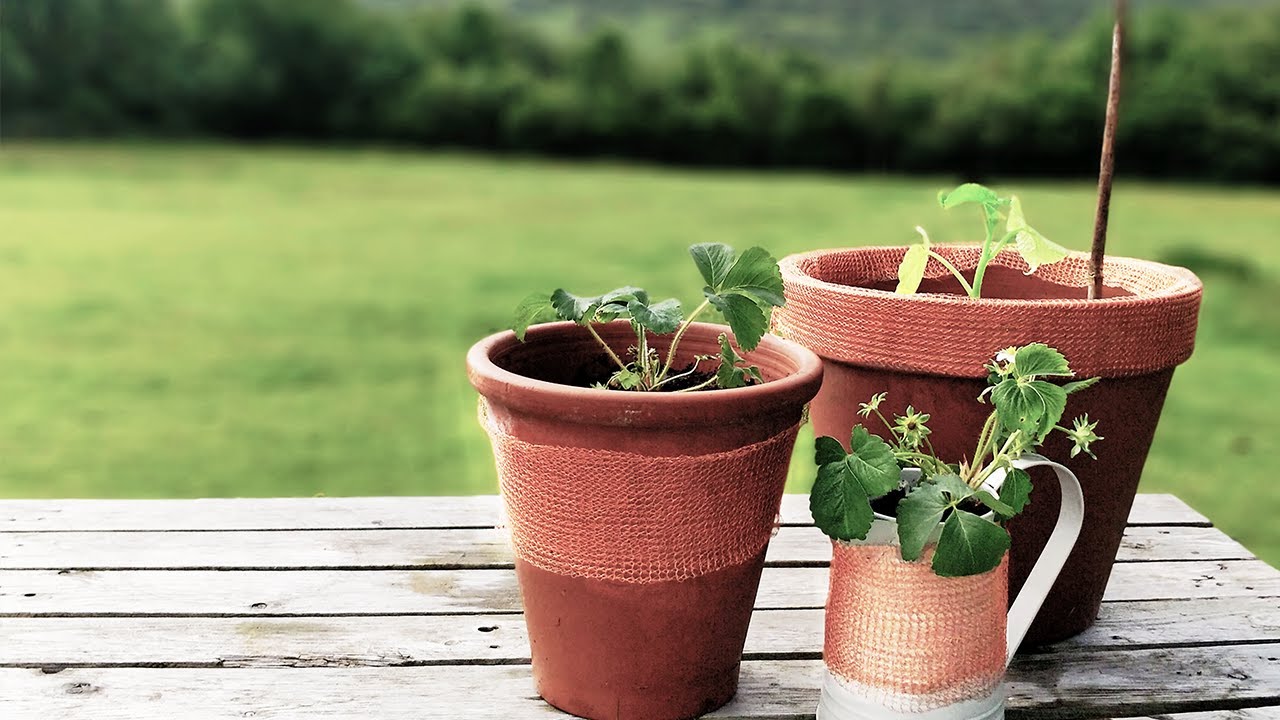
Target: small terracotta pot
(928, 349)
(903, 643)
(639, 520)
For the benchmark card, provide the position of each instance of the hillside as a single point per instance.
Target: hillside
(833, 28)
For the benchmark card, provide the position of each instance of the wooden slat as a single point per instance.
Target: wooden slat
(376, 592)
(488, 639)
(1266, 713)
(443, 549)
(1086, 685)
(367, 513)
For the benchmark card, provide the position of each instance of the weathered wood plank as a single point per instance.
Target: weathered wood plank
(392, 592)
(1086, 685)
(442, 549)
(327, 513)
(501, 639)
(1266, 713)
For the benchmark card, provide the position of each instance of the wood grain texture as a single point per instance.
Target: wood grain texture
(369, 513)
(1265, 713)
(501, 639)
(443, 549)
(1085, 685)
(396, 592)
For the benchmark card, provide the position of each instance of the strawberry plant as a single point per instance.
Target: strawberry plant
(1027, 407)
(1034, 247)
(744, 288)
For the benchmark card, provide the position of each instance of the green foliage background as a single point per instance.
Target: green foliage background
(186, 321)
(1202, 96)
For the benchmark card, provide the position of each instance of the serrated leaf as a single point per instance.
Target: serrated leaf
(729, 374)
(623, 296)
(871, 460)
(1016, 490)
(755, 273)
(661, 318)
(1039, 359)
(1080, 385)
(994, 504)
(1032, 406)
(713, 261)
(918, 515)
(744, 316)
(911, 270)
(839, 505)
(534, 309)
(968, 193)
(969, 545)
(827, 450)
(572, 307)
(626, 379)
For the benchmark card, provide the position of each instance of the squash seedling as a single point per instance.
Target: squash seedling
(744, 288)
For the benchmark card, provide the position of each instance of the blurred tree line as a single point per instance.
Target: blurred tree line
(1201, 96)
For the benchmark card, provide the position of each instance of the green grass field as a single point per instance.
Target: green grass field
(192, 321)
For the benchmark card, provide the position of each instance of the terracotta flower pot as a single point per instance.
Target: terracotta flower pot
(928, 350)
(639, 520)
(902, 642)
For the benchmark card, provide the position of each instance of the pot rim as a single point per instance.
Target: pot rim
(642, 409)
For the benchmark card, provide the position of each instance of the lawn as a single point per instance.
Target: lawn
(200, 320)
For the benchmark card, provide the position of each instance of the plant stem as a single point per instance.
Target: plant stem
(989, 253)
(699, 386)
(607, 349)
(968, 289)
(984, 441)
(892, 430)
(675, 342)
(673, 378)
(1107, 165)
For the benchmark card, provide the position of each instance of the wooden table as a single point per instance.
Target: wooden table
(404, 608)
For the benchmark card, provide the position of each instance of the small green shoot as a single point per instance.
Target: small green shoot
(1033, 246)
(744, 288)
(1028, 406)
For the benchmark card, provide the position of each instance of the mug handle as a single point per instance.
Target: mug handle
(1052, 558)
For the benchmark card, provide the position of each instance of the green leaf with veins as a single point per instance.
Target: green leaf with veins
(1032, 406)
(713, 261)
(911, 269)
(600, 308)
(1080, 385)
(626, 379)
(1039, 359)
(661, 318)
(1035, 248)
(827, 450)
(755, 274)
(968, 193)
(922, 509)
(842, 494)
(744, 316)
(969, 545)
(572, 307)
(994, 504)
(730, 375)
(534, 309)
(1016, 490)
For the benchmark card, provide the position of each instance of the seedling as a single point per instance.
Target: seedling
(743, 288)
(1027, 408)
(1034, 247)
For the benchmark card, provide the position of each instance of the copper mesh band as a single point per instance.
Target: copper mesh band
(635, 518)
(831, 311)
(899, 635)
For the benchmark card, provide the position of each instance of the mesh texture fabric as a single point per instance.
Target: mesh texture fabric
(902, 637)
(636, 518)
(831, 310)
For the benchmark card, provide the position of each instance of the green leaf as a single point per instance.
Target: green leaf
(624, 296)
(1016, 490)
(842, 494)
(1080, 385)
(1035, 248)
(918, 515)
(969, 545)
(994, 504)
(1032, 406)
(827, 450)
(534, 309)
(911, 271)
(626, 379)
(729, 375)
(755, 273)
(713, 261)
(600, 308)
(1039, 359)
(744, 316)
(968, 193)
(572, 307)
(661, 318)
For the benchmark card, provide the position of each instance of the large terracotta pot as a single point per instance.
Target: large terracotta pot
(639, 520)
(928, 350)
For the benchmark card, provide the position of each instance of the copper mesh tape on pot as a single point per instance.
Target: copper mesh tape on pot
(832, 310)
(899, 635)
(635, 518)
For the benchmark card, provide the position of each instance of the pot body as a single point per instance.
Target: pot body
(639, 520)
(927, 350)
